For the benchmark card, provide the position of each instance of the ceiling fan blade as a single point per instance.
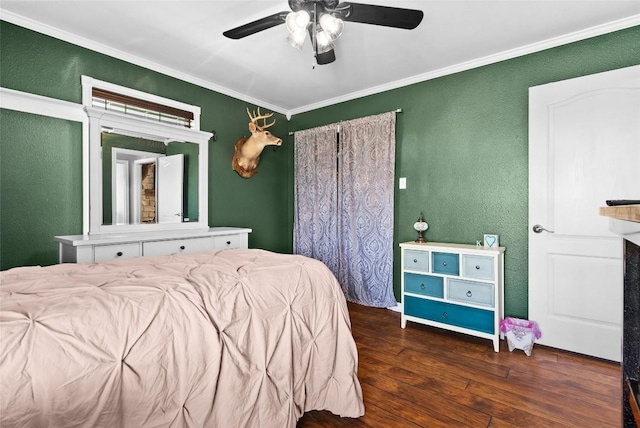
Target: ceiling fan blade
(381, 15)
(256, 26)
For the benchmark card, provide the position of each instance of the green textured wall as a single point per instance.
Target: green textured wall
(462, 143)
(40, 187)
(41, 169)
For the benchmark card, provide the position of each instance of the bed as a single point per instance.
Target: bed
(234, 338)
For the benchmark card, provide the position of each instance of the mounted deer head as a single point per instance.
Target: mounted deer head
(248, 150)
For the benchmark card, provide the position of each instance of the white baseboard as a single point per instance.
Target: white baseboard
(396, 308)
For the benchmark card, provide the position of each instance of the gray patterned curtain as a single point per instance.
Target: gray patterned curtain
(347, 222)
(365, 226)
(315, 232)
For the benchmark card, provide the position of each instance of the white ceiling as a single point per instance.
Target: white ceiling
(184, 39)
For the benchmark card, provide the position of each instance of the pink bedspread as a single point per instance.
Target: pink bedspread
(235, 338)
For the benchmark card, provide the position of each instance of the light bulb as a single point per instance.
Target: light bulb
(297, 39)
(297, 21)
(324, 41)
(332, 25)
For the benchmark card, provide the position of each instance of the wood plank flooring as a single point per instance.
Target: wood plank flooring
(426, 377)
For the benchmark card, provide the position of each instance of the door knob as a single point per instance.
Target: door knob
(539, 229)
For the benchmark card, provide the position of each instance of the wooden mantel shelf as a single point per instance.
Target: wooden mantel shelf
(622, 212)
(624, 220)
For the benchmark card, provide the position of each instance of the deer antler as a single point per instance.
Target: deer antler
(255, 117)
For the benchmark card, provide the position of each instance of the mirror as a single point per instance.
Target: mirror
(144, 175)
(146, 181)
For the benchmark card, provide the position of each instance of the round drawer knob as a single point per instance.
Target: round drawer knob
(445, 315)
(444, 263)
(469, 294)
(478, 267)
(415, 260)
(119, 254)
(182, 247)
(422, 286)
(228, 242)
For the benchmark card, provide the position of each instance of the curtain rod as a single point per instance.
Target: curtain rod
(398, 110)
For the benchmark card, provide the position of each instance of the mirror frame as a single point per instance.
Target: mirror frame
(119, 123)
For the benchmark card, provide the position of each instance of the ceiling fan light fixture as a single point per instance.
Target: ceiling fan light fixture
(331, 25)
(324, 42)
(297, 21)
(324, 20)
(297, 39)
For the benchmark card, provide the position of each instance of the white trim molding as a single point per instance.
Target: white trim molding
(25, 102)
(598, 30)
(127, 125)
(397, 308)
(132, 59)
(11, 99)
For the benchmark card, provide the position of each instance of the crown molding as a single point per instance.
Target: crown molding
(479, 62)
(598, 30)
(48, 30)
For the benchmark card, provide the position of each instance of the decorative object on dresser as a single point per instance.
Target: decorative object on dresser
(491, 241)
(457, 287)
(96, 248)
(420, 226)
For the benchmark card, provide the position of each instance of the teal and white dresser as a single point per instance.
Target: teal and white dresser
(454, 286)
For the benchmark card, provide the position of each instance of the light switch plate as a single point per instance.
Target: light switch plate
(402, 184)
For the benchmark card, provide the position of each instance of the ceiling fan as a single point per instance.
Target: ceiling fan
(324, 20)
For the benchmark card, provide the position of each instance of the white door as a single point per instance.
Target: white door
(584, 148)
(169, 191)
(120, 190)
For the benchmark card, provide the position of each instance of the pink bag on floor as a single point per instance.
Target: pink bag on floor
(520, 334)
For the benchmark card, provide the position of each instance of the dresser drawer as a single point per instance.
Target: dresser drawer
(470, 292)
(424, 284)
(115, 251)
(446, 263)
(480, 267)
(416, 260)
(230, 241)
(175, 246)
(460, 316)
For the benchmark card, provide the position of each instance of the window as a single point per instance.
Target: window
(110, 97)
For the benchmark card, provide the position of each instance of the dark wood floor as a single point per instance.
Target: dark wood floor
(426, 377)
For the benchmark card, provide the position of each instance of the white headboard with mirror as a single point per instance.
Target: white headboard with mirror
(144, 175)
